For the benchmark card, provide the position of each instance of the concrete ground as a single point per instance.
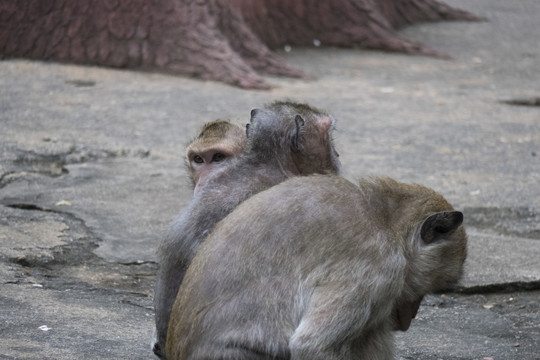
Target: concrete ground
(91, 173)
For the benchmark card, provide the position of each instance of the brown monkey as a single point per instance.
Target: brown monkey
(215, 144)
(316, 268)
(285, 139)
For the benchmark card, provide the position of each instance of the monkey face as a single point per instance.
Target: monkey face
(203, 163)
(216, 143)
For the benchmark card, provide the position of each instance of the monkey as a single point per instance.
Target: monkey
(284, 139)
(215, 144)
(317, 268)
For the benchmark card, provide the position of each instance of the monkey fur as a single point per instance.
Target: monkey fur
(316, 268)
(284, 140)
(215, 144)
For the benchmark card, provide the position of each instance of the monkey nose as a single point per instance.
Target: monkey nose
(254, 112)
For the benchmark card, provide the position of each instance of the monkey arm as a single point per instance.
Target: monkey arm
(175, 253)
(338, 314)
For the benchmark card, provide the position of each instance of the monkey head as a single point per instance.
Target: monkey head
(440, 247)
(435, 244)
(216, 143)
(301, 132)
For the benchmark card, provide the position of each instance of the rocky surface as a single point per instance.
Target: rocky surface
(91, 173)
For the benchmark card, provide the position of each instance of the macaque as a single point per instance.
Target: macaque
(284, 140)
(216, 143)
(316, 268)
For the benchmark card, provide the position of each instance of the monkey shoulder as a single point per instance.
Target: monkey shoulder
(318, 190)
(324, 182)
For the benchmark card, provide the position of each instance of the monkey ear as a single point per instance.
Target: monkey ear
(325, 122)
(297, 133)
(440, 225)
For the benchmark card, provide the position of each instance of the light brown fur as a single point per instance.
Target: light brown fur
(284, 140)
(216, 143)
(316, 268)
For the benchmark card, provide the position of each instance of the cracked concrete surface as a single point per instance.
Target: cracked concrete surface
(91, 173)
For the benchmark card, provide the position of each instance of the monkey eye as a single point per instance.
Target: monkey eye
(247, 130)
(198, 159)
(218, 157)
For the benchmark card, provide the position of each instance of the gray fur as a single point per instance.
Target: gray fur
(268, 159)
(316, 268)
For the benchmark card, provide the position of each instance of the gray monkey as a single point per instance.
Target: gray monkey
(317, 268)
(285, 139)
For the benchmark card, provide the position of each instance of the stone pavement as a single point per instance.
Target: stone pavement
(91, 172)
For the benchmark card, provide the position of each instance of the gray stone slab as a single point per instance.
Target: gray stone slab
(494, 261)
(72, 323)
(124, 201)
(476, 327)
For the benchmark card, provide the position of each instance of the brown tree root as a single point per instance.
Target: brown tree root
(223, 40)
